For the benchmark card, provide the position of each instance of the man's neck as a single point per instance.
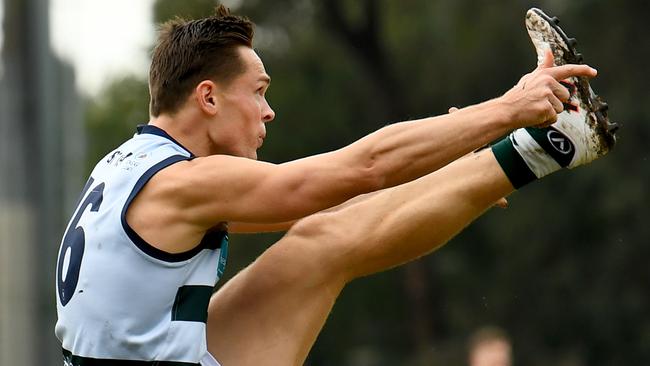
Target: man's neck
(185, 129)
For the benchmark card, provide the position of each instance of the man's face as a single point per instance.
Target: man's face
(243, 108)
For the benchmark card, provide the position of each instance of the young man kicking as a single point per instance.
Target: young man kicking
(272, 312)
(148, 240)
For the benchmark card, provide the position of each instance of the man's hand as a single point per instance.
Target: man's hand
(537, 98)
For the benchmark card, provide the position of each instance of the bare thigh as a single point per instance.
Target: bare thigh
(272, 311)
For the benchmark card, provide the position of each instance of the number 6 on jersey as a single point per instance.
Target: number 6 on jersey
(72, 248)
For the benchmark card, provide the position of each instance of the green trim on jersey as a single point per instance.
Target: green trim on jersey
(191, 304)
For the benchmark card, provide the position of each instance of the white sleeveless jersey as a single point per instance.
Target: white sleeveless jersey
(119, 298)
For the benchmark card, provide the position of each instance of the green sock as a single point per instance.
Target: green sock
(512, 163)
(528, 154)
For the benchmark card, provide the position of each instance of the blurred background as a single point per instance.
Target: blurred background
(563, 272)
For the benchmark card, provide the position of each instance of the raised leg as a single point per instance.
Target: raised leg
(272, 312)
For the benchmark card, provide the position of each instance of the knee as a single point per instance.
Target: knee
(323, 243)
(312, 228)
(322, 232)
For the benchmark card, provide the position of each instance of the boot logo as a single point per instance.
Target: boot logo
(559, 142)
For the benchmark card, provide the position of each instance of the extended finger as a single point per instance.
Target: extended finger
(567, 71)
(548, 60)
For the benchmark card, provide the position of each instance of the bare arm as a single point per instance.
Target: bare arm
(220, 188)
(225, 188)
(251, 228)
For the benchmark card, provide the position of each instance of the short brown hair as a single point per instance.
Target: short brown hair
(188, 52)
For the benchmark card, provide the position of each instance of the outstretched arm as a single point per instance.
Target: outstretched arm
(225, 188)
(200, 193)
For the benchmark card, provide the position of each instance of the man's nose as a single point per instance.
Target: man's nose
(268, 114)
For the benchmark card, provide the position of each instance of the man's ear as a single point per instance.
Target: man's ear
(205, 94)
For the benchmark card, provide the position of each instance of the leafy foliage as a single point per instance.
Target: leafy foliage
(112, 117)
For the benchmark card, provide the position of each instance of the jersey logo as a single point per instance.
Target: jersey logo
(118, 157)
(223, 256)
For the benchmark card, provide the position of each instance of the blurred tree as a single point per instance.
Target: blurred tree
(564, 270)
(164, 10)
(112, 118)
